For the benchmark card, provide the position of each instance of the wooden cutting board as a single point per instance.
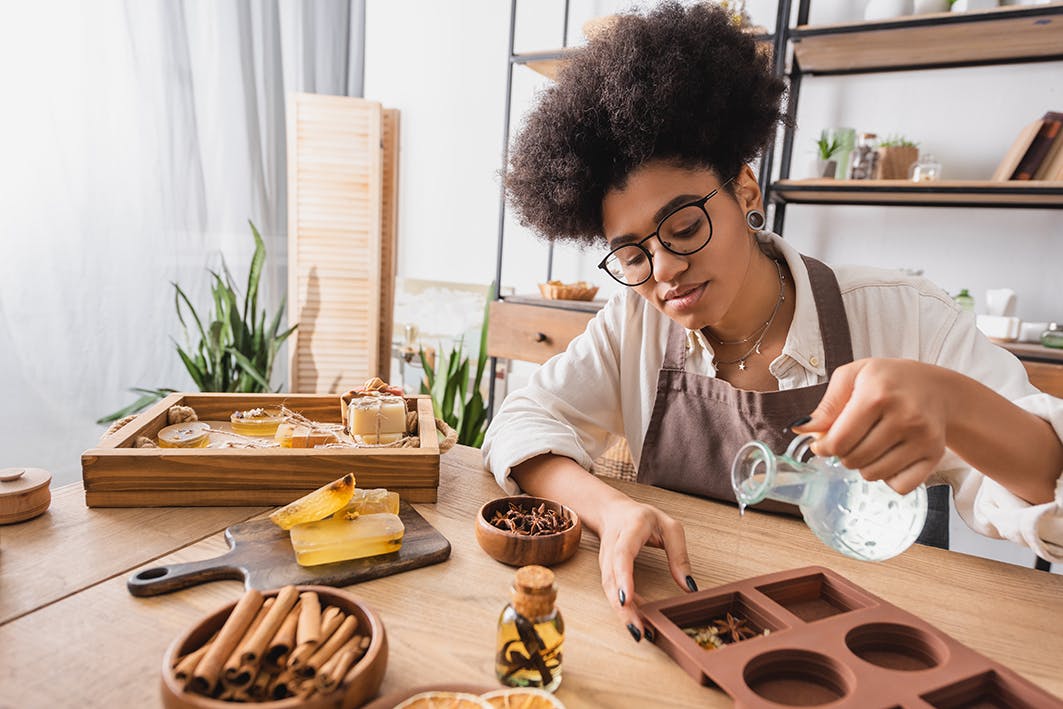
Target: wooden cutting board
(261, 556)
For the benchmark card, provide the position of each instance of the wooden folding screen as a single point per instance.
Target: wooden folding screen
(342, 204)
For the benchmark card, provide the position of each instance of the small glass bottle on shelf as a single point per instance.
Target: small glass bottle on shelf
(531, 632)
(863, 167)
(926, 169)
(1053, 336)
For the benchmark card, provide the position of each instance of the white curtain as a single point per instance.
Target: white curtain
(136, 140)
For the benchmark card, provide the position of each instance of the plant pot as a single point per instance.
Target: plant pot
(894, 162)
(927, 7)
(968, 5)
(826, 168)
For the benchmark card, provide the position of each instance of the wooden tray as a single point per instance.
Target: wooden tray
(831, 642)
(117, 475)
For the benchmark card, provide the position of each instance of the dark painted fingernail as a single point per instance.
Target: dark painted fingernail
(800, 422)
(634, 632)
(648, 632)
(622, 596)
(691, 585)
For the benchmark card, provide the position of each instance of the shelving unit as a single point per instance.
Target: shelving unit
(937, 41)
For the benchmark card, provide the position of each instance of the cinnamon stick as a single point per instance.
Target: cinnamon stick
(309, 628)
(363, 645)
(235, 674)
(324, 653)
(330, 620)
(328, 677)
(284, 640)
(206, 673)
(255, 645)
(186, 665)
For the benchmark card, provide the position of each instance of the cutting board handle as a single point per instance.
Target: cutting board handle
(174, 577)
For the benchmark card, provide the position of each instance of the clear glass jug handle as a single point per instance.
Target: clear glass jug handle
(798, 448)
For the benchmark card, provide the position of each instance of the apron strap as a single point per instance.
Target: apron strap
(675, 353)
(833, 323)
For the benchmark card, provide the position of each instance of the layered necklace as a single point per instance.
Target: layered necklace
(757, 336)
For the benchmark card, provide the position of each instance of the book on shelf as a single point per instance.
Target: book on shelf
(1051, 167)
(1035, 152)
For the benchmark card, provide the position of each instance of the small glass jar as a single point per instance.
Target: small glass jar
(925, 169)
(1053, 336)
(964, 299)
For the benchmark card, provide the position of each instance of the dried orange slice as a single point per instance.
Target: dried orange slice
(444, 700)
(319, 504)
(522, 698)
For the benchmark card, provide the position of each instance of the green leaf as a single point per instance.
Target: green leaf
(250, 369)
(195, 370)
(254, 273)
(178, 297)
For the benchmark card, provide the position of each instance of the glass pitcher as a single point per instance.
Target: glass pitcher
(862, 519)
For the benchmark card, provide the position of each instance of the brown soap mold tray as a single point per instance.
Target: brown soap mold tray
(830, 643)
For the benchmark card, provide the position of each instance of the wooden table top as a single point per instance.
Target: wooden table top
(70, 633)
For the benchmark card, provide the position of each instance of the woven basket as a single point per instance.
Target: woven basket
(556, 290)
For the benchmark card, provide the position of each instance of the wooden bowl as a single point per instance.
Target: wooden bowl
(522, 549)
(365, 682)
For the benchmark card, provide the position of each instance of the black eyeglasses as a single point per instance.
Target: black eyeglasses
(685, 230)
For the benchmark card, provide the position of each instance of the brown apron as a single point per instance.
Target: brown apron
(699, 422)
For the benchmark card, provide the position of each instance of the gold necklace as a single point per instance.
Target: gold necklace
(759, 333)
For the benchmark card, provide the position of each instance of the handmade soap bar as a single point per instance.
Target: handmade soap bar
(296, 436)
(256, 422)
(377, 415)
(190, 434)
(381, 440)
(368, 502)
(340, 539)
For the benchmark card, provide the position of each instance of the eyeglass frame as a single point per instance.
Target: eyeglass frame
(699, 203)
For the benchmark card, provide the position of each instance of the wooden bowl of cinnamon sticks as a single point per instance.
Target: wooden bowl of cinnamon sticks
(524, 530)
(297, 646)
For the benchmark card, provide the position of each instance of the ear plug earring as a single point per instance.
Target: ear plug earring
(756, 220)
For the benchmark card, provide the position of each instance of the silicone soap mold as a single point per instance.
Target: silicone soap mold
(830, 642)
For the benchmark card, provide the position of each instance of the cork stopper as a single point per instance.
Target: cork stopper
(534, 591)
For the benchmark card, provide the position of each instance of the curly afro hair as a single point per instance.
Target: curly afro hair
(681, 84)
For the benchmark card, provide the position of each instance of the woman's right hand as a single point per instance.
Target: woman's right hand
(625, 526)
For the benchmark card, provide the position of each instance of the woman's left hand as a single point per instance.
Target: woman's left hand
(886, 418)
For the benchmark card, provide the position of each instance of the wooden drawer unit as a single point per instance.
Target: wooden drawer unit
(532, 333)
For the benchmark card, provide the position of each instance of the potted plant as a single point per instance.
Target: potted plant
(896, 154)
(827, 148)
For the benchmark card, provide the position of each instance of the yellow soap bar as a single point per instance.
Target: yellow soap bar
(296, 436)
(341, 539)
(256, 422)
(368, 502)
(376, 415)
(382, 439)
(190, 434)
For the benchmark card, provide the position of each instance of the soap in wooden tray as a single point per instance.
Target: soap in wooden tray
(377, 416)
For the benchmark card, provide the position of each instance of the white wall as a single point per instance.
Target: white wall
(443, 64)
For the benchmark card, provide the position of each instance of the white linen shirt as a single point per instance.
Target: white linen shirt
(605, 382)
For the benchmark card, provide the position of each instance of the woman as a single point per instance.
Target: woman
(724, 333)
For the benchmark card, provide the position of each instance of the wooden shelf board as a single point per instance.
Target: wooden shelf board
(1032, 351)
(585, 306)
(973, 193)
(1014, 33)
